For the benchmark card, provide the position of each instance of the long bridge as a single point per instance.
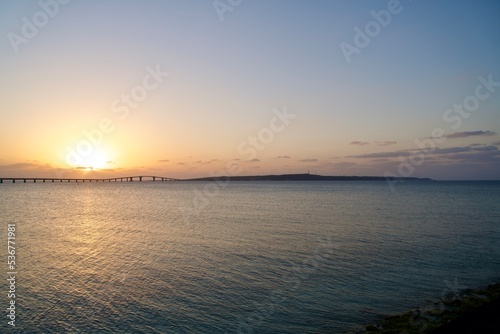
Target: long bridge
(112, 179)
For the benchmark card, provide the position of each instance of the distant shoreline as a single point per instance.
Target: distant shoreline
(281, 177)
(306, 177)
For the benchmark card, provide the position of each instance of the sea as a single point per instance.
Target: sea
(240, 257)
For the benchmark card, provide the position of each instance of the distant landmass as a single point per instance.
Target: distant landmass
(306, 177)
(282, 177)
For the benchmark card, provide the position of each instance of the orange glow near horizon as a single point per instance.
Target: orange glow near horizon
(111, 101)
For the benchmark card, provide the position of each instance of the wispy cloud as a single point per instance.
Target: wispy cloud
(460, 149)
(486, 148)
(449, 150)
(284, 157)
(163, 160)
(359, 143)
(394, 154)
(308, 160)
(386, 143)
(465, 134)
(437, 151)
(20, 165)
(477, 157)
(30, 169)
(376, 142)
(254, 160)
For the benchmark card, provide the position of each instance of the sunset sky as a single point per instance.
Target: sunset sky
(185, 88)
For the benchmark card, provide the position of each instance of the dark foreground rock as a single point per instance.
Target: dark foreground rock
(474, 311)
(485, 319)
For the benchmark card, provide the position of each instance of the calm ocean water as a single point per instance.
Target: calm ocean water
(252, 257)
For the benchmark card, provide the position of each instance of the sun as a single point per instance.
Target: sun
(97, 160)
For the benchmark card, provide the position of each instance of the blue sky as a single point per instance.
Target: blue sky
(227, 76)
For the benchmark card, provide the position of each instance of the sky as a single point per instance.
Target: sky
(237, 87)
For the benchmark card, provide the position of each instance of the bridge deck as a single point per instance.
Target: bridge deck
(114, 179)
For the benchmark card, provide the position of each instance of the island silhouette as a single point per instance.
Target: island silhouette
(306, 177)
